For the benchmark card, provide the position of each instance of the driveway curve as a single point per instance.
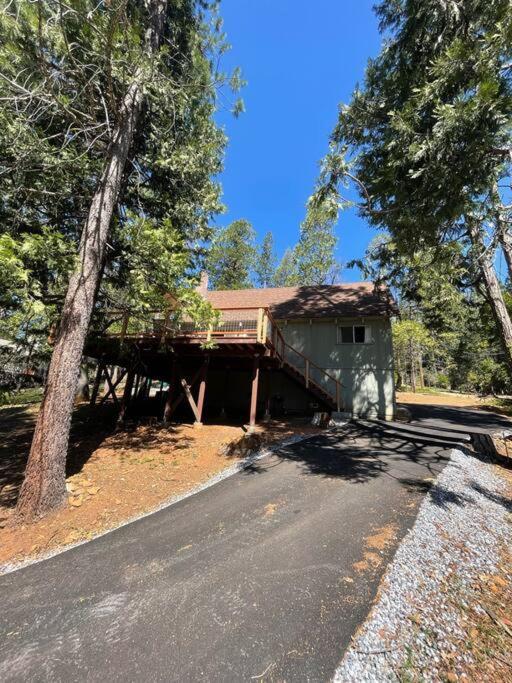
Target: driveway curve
(263, 577)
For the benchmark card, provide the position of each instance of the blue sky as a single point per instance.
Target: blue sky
(300, 59)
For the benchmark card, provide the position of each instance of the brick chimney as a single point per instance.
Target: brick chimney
(202, 287)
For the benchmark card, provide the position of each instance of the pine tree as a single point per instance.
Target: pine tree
(286, 274)
(231, 256)
(265, 262)
(314, 254)
(108, 150)
(427, 138)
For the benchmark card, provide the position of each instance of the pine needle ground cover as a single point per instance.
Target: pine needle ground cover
(113, 476)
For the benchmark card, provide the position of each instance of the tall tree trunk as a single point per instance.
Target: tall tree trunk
(493, 292)
(420, 371)
(412, 360)
(506, 245)
(44, 485)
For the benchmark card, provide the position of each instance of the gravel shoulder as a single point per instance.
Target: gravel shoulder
(434, 591)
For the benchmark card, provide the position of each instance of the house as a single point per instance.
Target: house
(341, 330)
(275, 351)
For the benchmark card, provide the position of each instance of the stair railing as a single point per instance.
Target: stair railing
(312, 373)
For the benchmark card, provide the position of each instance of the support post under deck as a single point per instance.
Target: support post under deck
(254, 391)
(202, 391)
(97, 382)
(170, 394)
(127, 394)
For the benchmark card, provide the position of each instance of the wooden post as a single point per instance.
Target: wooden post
(112, 387)
(225, 392)
(202, 391)
(307, 373)
(124, 327)
(267, 416)
(127, 394)
(165, 325)
(338, 397)
(97, 382)
(259, 331)
(264, 327)
(254, 391)
(111, 391)
(190, 399)
(170, 393)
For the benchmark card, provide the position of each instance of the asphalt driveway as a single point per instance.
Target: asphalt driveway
(264, 576)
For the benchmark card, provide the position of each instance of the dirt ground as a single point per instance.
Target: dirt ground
(441, 399)
(113, 476)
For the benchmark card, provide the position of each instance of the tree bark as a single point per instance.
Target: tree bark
(493, 293)
(420, 371)
(412, 360)
(44, 485)
(506, 245)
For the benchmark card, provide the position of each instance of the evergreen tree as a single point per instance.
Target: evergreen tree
(265, 263)
(231, 256)
(286, 274)
(108, 150)
(427, 138)
(314, 253)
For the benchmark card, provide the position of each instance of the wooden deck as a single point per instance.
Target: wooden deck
(180, 354)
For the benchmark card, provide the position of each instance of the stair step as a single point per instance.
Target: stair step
(312, 387)
(441, 432)
(431, 435)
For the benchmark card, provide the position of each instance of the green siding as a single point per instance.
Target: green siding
(365, 370)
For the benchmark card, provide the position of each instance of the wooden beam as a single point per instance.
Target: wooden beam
(254, 391)
(202, 388)
(190, 399)
(112, 387)
(180, 398)
(168, 403)
(127, 394)
(97, 382)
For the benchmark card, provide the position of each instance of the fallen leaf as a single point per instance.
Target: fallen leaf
(499, 581)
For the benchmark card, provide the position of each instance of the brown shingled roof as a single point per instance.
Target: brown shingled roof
(351, 300)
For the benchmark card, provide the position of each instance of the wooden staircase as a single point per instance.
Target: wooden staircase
(318, 382)
(312, 387)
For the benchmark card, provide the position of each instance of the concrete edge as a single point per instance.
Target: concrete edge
(10, 567)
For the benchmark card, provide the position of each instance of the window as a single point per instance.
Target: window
(354, 334)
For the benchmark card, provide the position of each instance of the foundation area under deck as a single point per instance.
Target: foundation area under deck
(232, 367)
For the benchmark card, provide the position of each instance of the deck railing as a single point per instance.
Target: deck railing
(239, 323)
(243, 323)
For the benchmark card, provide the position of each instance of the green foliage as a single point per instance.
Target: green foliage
(426, 140)
(265, 263)
(231, 256)
(314, 253)
(427, 135)
(487, 377)
(441, 381)
(411, 336)
(63, 77)
(287, 271)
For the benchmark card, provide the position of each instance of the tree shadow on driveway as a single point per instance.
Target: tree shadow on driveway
(358, 454)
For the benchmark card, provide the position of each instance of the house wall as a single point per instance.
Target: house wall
(365, 370)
